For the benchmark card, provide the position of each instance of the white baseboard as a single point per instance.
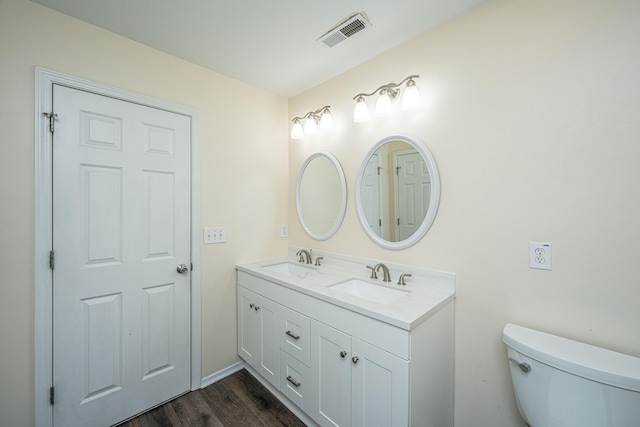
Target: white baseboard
(223, 373)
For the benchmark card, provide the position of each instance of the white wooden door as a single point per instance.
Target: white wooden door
(121, 226)
(380, 387)
(370, 194)
(413, 192)
(331, 375)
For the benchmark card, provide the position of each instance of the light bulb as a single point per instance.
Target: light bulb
(361, 112)
(296, 130)
(410, 96)
(310, 126)
(326, 121)
(383, 104)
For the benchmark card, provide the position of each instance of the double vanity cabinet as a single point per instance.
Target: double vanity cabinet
(348, 350)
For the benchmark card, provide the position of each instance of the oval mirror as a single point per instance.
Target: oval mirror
(321, 195)
(397, 192)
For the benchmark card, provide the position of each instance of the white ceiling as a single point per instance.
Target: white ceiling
(269, 44)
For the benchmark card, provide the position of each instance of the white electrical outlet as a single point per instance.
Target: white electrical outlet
(215, 235)
(284, 230)
(540, 255)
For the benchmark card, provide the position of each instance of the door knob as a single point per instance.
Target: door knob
(182, 268)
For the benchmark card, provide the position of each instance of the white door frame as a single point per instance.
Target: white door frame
(43, 293)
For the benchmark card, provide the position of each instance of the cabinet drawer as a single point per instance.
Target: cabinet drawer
(296, 335)
(294, 380)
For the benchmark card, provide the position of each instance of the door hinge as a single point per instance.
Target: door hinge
(380, 222)
(398, 170)
(51, 395)
(379, 170)
(52, 119)
(191, 266)
(398, 221)
(52, 259)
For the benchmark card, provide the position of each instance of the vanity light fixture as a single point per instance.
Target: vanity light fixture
(313, 119)
(386, 95)
(361, 112)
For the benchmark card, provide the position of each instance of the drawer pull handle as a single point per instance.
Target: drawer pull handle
(292, 381)
(295, 337)
(343, 354)
(355, 359)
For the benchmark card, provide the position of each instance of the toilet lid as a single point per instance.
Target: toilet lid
(588, 361)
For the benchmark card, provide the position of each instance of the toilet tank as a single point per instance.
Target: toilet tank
(571, 384)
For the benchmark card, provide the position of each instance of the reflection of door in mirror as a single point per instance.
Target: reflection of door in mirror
(413, 192)
(371, 192)
(397, 191)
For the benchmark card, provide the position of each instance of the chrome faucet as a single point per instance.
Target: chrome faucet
(305, 256)
(385, 272)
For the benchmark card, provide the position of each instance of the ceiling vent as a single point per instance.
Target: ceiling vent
(345, 29)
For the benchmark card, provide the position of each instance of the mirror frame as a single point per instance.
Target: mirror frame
(337, 222)
(434, 201)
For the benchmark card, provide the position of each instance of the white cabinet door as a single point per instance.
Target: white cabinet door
(271, 323)
(259, 322)
(330, 375)
(380, 384)
(248, 326)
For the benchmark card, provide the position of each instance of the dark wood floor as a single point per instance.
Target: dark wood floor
(237, 400)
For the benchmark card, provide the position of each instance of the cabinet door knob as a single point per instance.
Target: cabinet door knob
(343, 354)
(355, 359)
(251, 305)
(256, 308)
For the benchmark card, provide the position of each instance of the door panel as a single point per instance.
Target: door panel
(121, 209)
(271, 321)
(371, 196)
(413, 193)
(101, 359)
(331, 375)
(380, 388)
(248, 327)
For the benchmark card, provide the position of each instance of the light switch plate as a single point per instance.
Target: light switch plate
(284, 230)
(540, 255)
(215, 235)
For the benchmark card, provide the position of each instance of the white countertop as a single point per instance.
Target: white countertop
(426, 291)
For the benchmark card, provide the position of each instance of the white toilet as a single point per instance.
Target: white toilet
(564, 383)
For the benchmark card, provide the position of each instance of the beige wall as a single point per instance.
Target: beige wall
(244, 171)
(534, 120)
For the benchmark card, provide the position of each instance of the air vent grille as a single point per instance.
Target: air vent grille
(345, 29)
(352, 28)
(333, 39)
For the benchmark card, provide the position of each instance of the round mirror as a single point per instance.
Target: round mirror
(321, 195)
(397, 192)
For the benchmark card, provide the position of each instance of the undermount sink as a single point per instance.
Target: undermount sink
(290, 269)
(370, 291)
